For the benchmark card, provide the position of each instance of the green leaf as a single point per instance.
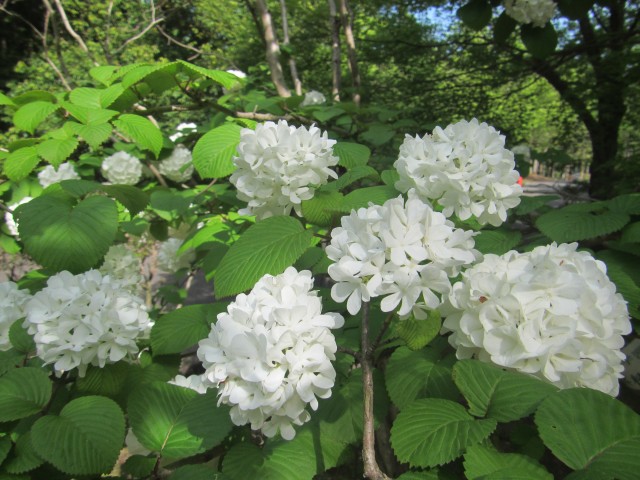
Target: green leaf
(504, 27)
(132, 198)
(475, 14)
(411, 375)
(497, 241)
(624, 272)
(5, 447)
(4, 100)
(107, 381)
(540, 42)
(629, 203)
(418, 333)
(360, 198)
(390, 177)
(9, 360)
(84, 439)
(324, 114)
(94, 135)
(434, 431)
(213, 153)
(378, 135)
(23, 458)
(177, 422)
(62, 235)
(29, 116)
(138, 466)
(34, 96)
(580, 222)
(183, 328)
(21, 163)
(481, 462)
(23, 392)
(86, 97)
(587, 429)
(225, 79)
(20, 339)
(103, 73)
(141, 131)
(55, 151)
(496, 393)
(195, 472)
(530, 204)
(324, 209)
(351, 176)
(631, 233)
(575, 9)
(269, 246)
(351, 154)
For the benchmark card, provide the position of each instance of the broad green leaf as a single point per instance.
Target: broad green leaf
(351, 176)
(309, 258)
(530, 204)
(86, 97)
(34, 96)
(103, 73)
(9, 360)
(55, 151)
(107, 381)
(20, 339)
(140, 72)
(587, 429)
(213, 153)
(482, 462)
(418, 333)
(575, 9)
(390, 177)
(269, 246)
(540, 42)
(324, 209)
(29, 116)
(631, 233)
(4, 100)
(183, 328)
(84, 439)
(378, 135)
(21, 163)
(629, 203)
(175, 421)
(496, 393)
(195, 472)
(94, 135)
(498, 241)
(360, 198)
(504, 27)
(434, 431)
(225, 79)
(23, 458)
(580, 222)
(62, 235)
(423, 475)
(5, 446)
(132, 198)
(351, 154)
(624, 271)
(475, 14)
(411, 375)
(23, 392)
(141, 131)
(139, 466)
(324, 114)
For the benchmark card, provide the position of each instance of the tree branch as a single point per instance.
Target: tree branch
(272, 50)
(154, 21)
(72, 32)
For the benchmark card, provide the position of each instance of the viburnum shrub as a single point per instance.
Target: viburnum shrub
(417, 319)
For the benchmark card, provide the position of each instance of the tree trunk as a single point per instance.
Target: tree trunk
(297, 84)
(336, 73)
(351, 50)
(272, 50)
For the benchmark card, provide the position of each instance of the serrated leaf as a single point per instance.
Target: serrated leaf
(94, 135)
(378, 135)
(86, 97)
(177, 422)
(23, 458)
(475, 14)
(84, 439)
(496, 393)
(351, 154)
(9, 360)
(103, 73)
(107, 381)
(213, 153)
(30, 115)
(605, 444)
(23, 392)
(183, 328)
(540, 42)
(580, 222)
(324, 114)
(418, 333)
(423, 475)
(4, 100)
(324, 209)
(351, 176)
(434, 431)
(5, 447)
(497, 241)
(34, 96)
(62, 235)
(624, 272)
(141, 131)
(504, 27)
(269, 246)
(138, 466)
(55, 151)
(411, 375)
(20, 339)
(486, 463)
(631, 233)
(530, 204)
(390, 177)
(629, 203)
(21, 163)
(360, 198)
(132, 198)
(225, 79)
(309, 258)
(195, 472)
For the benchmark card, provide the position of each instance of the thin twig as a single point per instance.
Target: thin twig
(154, 21)
(72, 32)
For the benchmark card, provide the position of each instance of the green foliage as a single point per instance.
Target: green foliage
(352, 154)
(475, 14)
(418, 333)
(540, 42)
(498, 241)
(23, 392)
(486, 463)
(140, 130)
(213, 154)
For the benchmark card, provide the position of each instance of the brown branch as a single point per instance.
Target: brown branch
(336, 72)
(297, 84)
(272, 50)
(180, 44)
(154, 21)
(345, 13)
(72, 32)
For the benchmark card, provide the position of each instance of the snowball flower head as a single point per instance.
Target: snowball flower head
(465, 167)
(551, 312)
(121, 264)
(50, 175)
(183, 129)
(405, 252)
(536, 12)
(122, 168)
(192, 382)
(279, 166)
(270, 354)
(177, 166)
(313, 98)
(169, 260)
(12, 301)
(10, 221)
(85, 319)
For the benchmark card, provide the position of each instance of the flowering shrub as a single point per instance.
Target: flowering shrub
(177, 166)
(313, 97)
(12, 301)
(122, 168)
(536, 12)
(9, 219)
(50, 175)
(169, 260)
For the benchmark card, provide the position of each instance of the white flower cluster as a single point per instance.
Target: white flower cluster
(10, 221)
(313, 97)
(122, 168)
(270, 353)
(50, 175)
(552, 313)
(192, 382)
(465, 167)
(85, 319)
(536, 12)
(169, 260)
(12, 302)
(183, 129)
(405, 252)
(177, 166)
(279, 165)
(124, 266)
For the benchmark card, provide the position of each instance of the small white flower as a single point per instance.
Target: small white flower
(465, 167)
(403, 251)
(313, 97)
(85, 319)
(12, 301)
(10, 221)
(551, 312)
(270, 354)
(177, 166)
(536, 12)
(192, 382)
(183, 129)
(122, 168)
(121, 264)
(237, 73)
(279, 166)
(169, 260)
(49, 175)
